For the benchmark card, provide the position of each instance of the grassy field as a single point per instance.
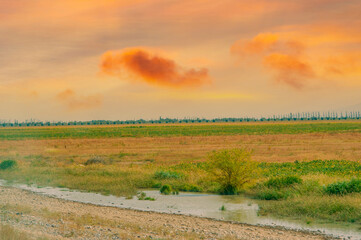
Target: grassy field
(176, 130)
(120, 160)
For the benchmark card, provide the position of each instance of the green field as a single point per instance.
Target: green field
(175, 130)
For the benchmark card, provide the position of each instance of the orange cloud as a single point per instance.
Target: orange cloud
(152, 69)
(347, 64)
(260, 43)
(265, 43)
(290, 69)
(301, 53)
(74, 102)
(68, 93)
(280, 55)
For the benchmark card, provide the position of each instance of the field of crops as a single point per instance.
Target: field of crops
(176, 130)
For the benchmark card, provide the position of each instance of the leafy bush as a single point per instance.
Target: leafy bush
(232, 169)
(285, 181)
(345, 187)
(161, 174)
(166, 189)
(7, 164)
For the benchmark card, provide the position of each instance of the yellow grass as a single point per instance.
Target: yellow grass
(172, 150)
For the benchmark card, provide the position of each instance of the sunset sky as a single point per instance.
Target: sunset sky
(131, 59)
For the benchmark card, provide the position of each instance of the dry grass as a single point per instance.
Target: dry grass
(173, 150)
(9, 233)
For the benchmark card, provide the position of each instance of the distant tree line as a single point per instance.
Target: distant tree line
(304, 116)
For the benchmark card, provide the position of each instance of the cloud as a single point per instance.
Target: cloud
(66, 94)
(152, 69)
(346, 64)
(283, 56)
(259, 44)
(290, 69)
(74, 102)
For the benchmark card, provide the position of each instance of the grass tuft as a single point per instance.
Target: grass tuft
(7, 164)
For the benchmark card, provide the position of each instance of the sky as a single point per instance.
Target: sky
(132, 59)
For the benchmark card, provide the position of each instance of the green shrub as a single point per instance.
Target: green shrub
(189, 188)
(285, 181)
(232, 169)
(345, 187)
(7, 164)
(143, 196)
(161, 174)
(166, 189)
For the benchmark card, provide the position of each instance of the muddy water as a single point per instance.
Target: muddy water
(237, 208)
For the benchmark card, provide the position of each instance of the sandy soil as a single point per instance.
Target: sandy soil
(41, 216)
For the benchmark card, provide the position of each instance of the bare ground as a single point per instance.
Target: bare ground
(50, 218)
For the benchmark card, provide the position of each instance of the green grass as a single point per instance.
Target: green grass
(175, 130)
(328, 167)
(324, 195)
(318, 207)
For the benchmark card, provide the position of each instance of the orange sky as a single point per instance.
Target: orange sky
(130, 59)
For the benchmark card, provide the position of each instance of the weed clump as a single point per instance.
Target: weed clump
(143, 196)
(345, 187)
(94, 160)
(161, 174)
(7, 164)
(189, 188)
(166, 189)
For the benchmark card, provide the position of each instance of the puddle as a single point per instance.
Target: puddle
(237, 208)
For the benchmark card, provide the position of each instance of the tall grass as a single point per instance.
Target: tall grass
(327, 208)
